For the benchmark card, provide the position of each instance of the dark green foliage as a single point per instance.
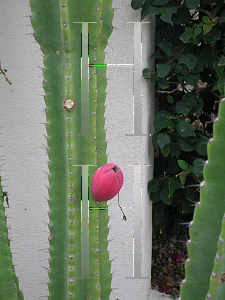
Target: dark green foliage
(189, 78)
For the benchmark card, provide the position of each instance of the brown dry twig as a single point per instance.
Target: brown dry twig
(5, 75)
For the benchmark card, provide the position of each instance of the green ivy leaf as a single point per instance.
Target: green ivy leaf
(163, 70)
(180, 78)
(162, 121)
(199, 105)
(197, 31)
(158, 215)
(201, 145)
(221, 85)
(185, 37)
(164, 195)
(149, 9)
(178, 68)
(160, 2)
(206, 28)
(198, 67)
(166, 150)
(187, 29)
(218, 68)
(175, 149)
(147, 72)
(163, 139)
(183, 178)
(222, 20)
(153, 185)
(136, 4)
(190, 193)
(184, 128)
(192, 79)
(166, 47)
(192, 4)
(198, 167)
(163, 85)
(205, 19)
(153, 78)
(185, 70)
(208, 55)
(174, 183)
(183, 164)
(221, 63)
(185, 144)
(167, 14)
(183, 107)
(170, 99)
(186, 206)
(212, 36)
(176, 199)
(191, 99)
(182, 16)
(155, 196)
(154, 140)
(189, 60)
(215, 87)
(157, 55)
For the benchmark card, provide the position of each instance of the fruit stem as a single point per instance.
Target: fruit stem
(115, 170)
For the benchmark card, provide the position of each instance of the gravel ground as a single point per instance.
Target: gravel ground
(169, 253)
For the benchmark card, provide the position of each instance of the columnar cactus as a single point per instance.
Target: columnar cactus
(75, 138)
(205, 267)
(9, 286)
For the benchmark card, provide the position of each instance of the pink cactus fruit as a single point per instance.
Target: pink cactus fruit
(106, 182)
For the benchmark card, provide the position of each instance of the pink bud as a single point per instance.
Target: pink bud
(106, 182)
(163, 289)
(179, 256)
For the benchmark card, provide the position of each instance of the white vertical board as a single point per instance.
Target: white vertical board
(130, 110)
(25, 158)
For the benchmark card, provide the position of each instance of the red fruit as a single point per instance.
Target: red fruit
(106, 182)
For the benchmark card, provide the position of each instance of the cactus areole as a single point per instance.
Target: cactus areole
(106, 182)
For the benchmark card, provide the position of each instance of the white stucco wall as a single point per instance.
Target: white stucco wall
(25, 159)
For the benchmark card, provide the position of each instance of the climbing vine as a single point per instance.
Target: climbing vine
(189, 80)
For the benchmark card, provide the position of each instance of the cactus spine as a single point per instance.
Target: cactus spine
(71, 143)
(9, 286)
(206, 247)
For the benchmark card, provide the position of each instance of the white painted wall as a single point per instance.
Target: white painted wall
(25, 159)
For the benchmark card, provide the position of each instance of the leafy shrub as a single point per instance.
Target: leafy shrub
(189, 80)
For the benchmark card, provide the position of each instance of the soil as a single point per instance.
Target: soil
(169, 253)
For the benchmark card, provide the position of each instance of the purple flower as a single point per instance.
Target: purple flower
(179, 256)
(174, 255)
(162, 290)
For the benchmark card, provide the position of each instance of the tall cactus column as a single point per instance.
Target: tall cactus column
(206, 245)
(59, 28)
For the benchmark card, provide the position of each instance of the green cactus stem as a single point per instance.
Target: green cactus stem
(205, 229)
(75, 138)
(9, 286)
(217, 286)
